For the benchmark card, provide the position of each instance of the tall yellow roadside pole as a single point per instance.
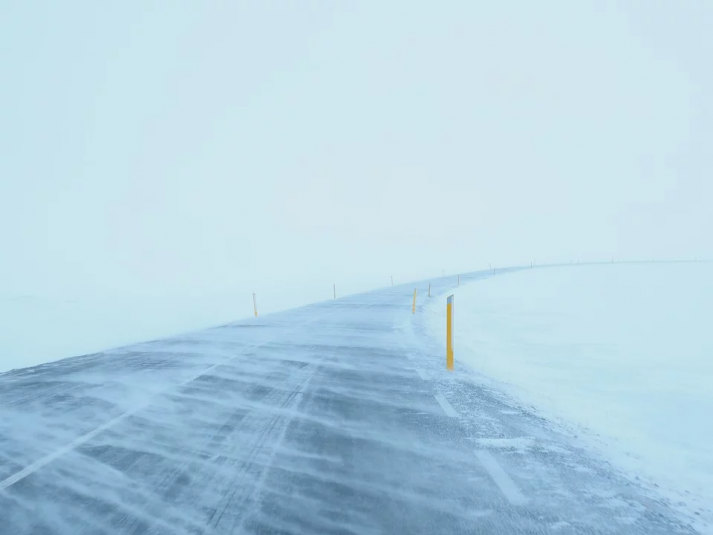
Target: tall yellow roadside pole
(413, 309)
(255, 305)
(449, 333)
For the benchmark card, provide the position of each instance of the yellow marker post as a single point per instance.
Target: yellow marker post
(413, 309)
(449, 334)
(429, 289)
(255, 305)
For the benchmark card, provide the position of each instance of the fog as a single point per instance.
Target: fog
(246, 146)
(161, 162)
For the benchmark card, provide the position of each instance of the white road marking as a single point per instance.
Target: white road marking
(502, 480)
(30, 468)
(47, 459)
(420, 373)
(447, 407)
(521, 444)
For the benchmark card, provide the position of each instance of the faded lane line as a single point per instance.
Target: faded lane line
(420, 373)
(47, 459)
(447, 407)
(31, 468)
(502, 480)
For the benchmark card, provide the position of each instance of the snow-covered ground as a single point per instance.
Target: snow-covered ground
(620, 353)
(42, 328)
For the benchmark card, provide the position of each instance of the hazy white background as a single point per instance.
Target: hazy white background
(195, 147)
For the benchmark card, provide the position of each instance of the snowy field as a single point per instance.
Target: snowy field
(42, 328)
(621, 354)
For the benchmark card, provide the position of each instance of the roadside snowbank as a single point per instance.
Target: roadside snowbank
(621, 352)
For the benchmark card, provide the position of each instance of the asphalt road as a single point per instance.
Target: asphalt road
(333, 418)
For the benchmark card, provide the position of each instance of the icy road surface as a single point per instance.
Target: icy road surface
(333, 418)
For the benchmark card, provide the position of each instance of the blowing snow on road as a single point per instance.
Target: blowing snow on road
(332, 418)
(229, 231)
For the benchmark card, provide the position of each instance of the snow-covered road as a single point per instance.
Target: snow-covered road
(333, 418)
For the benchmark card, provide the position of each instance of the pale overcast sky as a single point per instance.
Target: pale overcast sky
(208, 145)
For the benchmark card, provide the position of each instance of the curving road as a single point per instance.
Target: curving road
(338, 417)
